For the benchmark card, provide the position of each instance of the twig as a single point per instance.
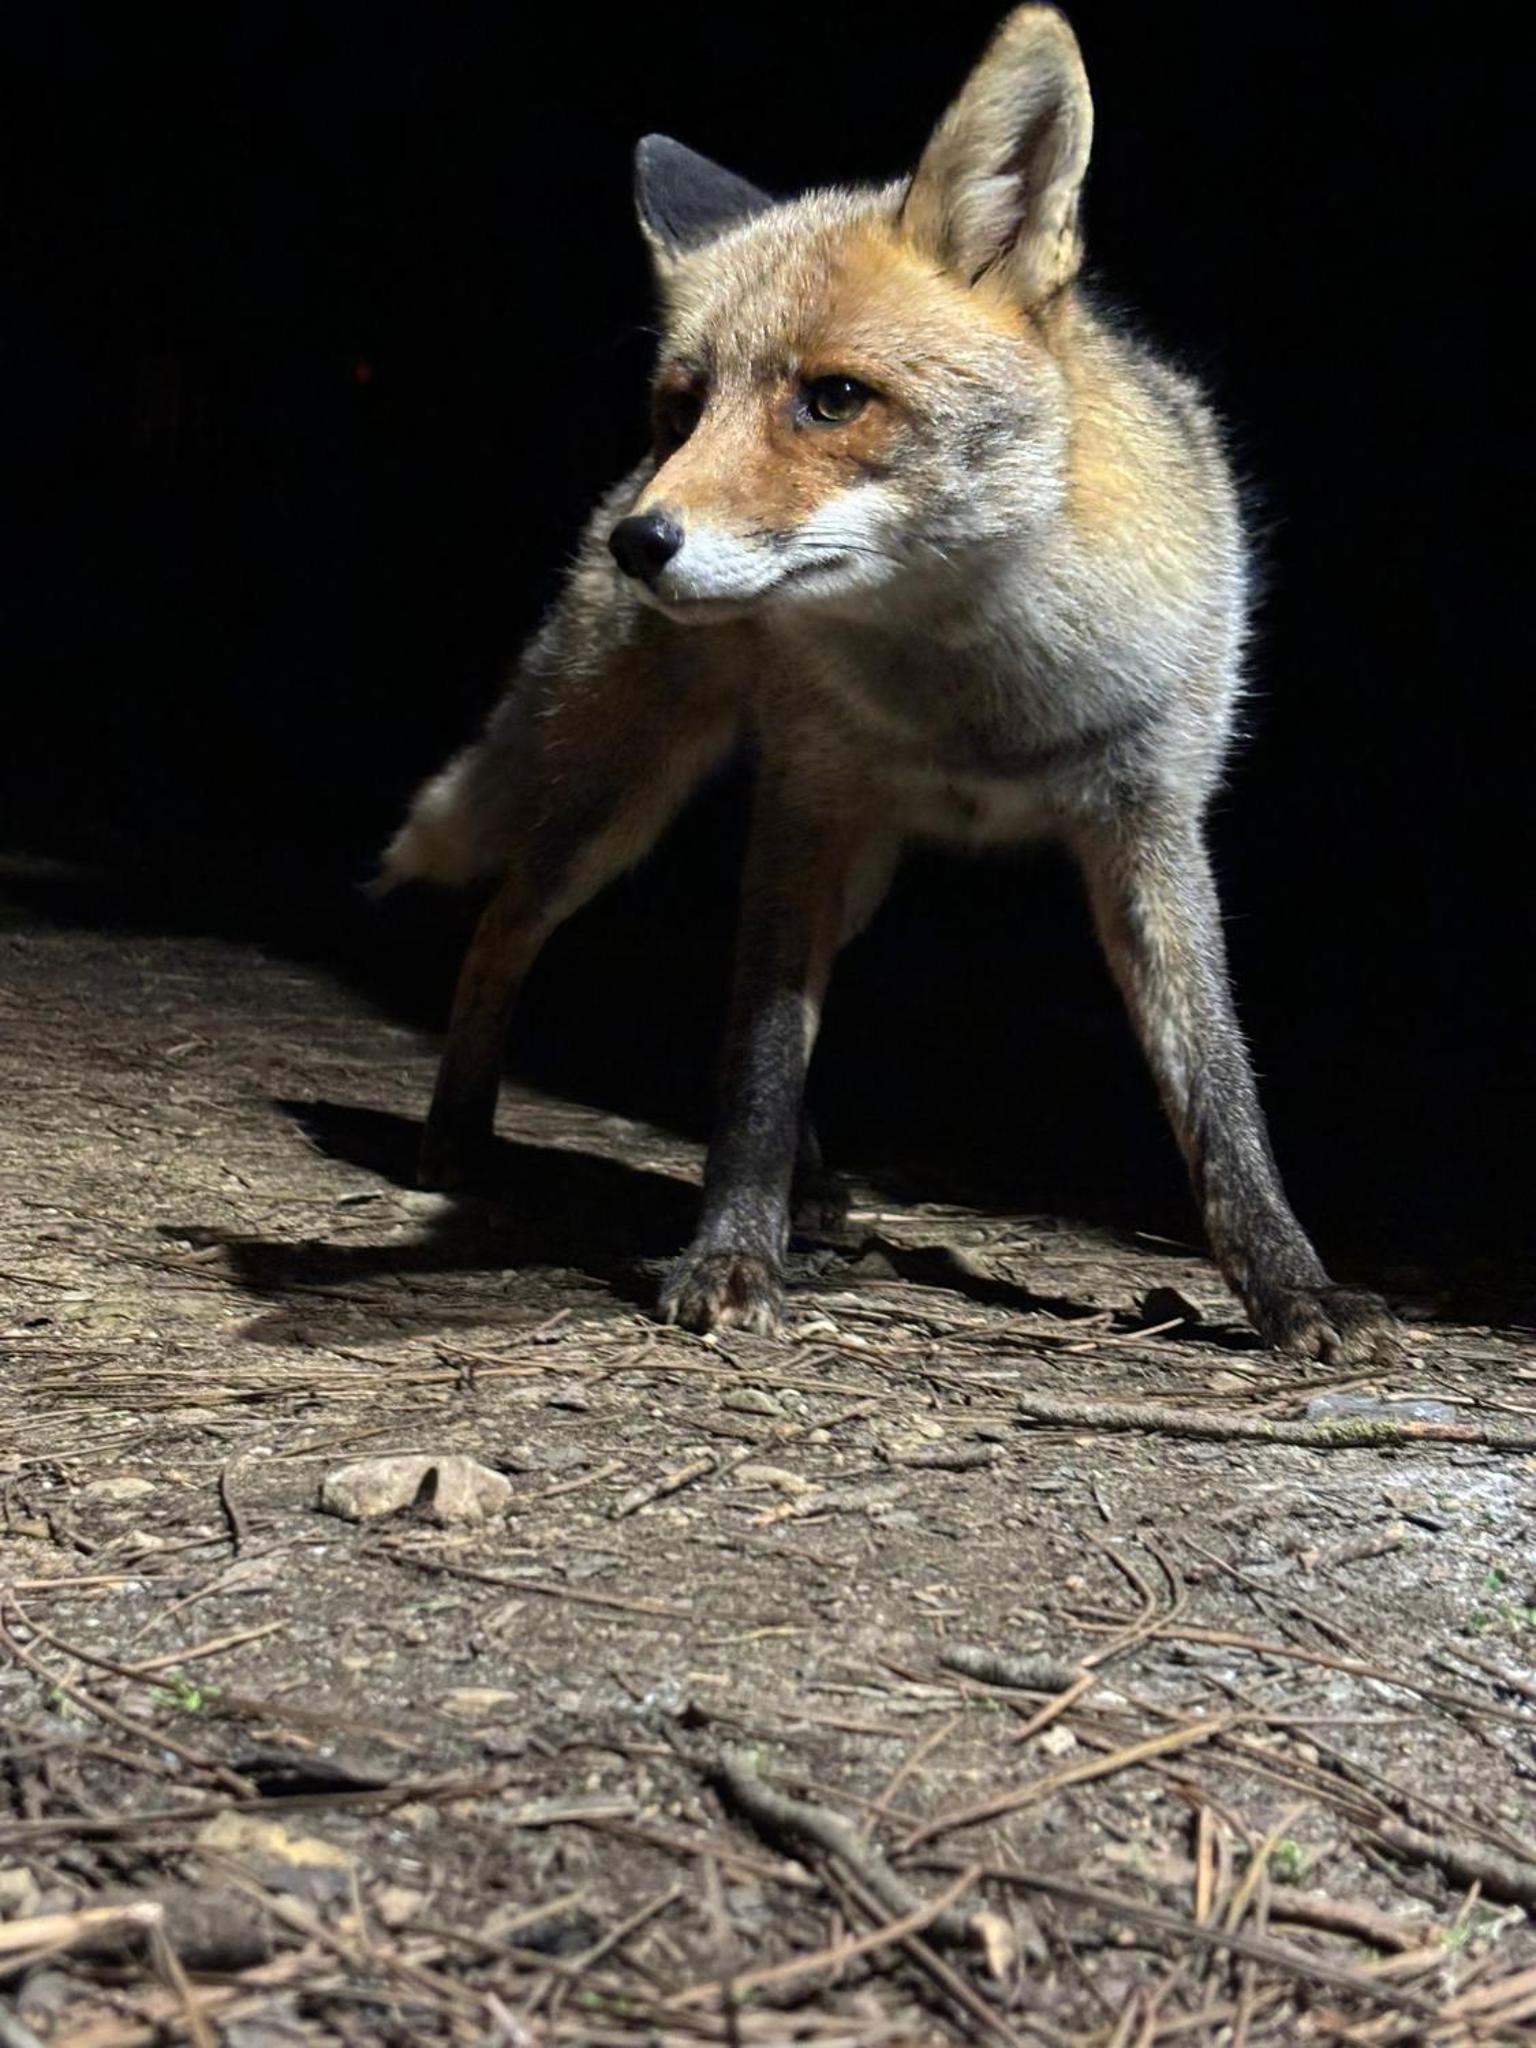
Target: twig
(912, 1761)
(1497, 1672)
(917, 1918)
(1258, 1867)
(571, 1969)
(234, 1514)
(791, 1822)
(52, 1931)
(1075, 1774)
(549, 1590)
(168, 1963)
(943, 1974)
(1343, 1916)
(1258, 1949)
(669, 1482)
(1347, 1432)
(214, 1646)
(1501, 1876)
(230, 1780)
(1356, 1667)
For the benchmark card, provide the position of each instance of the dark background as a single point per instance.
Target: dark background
(321, 334)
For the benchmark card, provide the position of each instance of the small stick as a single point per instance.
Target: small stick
(1257, 1948)
(917, 1918)
(669, 1482)
(68, 1930)
(1497, 1672)
(668, 1609)
(1258, 1866)
(593, 1478)
(1075, 1774)
(168, 1963)
(214, 1646)
(233, 1513)
(1501, 1876)
(230, 1780)
(1343, 1916)
(1356, 1667)
(912, 1761)
(944, 1974)
(795, 1822)
(1347, 1433)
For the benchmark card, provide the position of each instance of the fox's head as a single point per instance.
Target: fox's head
(855, 389)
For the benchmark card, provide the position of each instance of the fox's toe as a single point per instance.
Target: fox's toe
(723, 1290)
(1338, 1325)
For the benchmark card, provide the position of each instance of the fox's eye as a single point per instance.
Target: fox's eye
(675, 415)
(833, 401)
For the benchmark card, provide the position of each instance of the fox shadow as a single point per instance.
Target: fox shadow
(609, 1223)
(532, 1206)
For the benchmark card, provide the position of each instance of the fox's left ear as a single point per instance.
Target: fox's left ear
(684, 200)
(998, 187)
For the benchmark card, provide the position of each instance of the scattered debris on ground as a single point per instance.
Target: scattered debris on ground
(404, 1639)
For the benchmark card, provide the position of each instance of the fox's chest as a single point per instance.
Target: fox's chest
(965, 753)
(968, 810)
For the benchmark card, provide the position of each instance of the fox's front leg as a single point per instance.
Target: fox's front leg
(1155, 903)
(795, 909)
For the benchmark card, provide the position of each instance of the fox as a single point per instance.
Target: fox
(960, 562)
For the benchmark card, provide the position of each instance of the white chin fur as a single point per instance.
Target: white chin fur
(712, 566)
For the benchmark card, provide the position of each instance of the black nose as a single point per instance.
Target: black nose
(643, 544)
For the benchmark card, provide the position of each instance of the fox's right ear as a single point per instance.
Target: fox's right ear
(684, 200)
(997, 191)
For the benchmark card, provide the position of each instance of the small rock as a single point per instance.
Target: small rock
(1057, 1740)
(776, 1476)
(124, 1487)
(469, 1702)
(752, 1401)
(253, 1575)
(301, 1864)
(853, 1500)
(209, 1929)
(397, 1903)
(450, 1488)
(19, 1894)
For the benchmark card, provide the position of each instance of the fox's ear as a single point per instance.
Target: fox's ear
(998, 186)
(684, 200)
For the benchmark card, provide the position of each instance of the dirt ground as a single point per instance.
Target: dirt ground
(887, 1684)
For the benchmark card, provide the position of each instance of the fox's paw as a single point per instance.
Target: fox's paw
(1339, 1325)
(723, 1290)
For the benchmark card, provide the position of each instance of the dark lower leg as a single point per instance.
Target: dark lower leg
(462, 1118)
(1157, 912)
(731, 1273)
(818, 1198)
